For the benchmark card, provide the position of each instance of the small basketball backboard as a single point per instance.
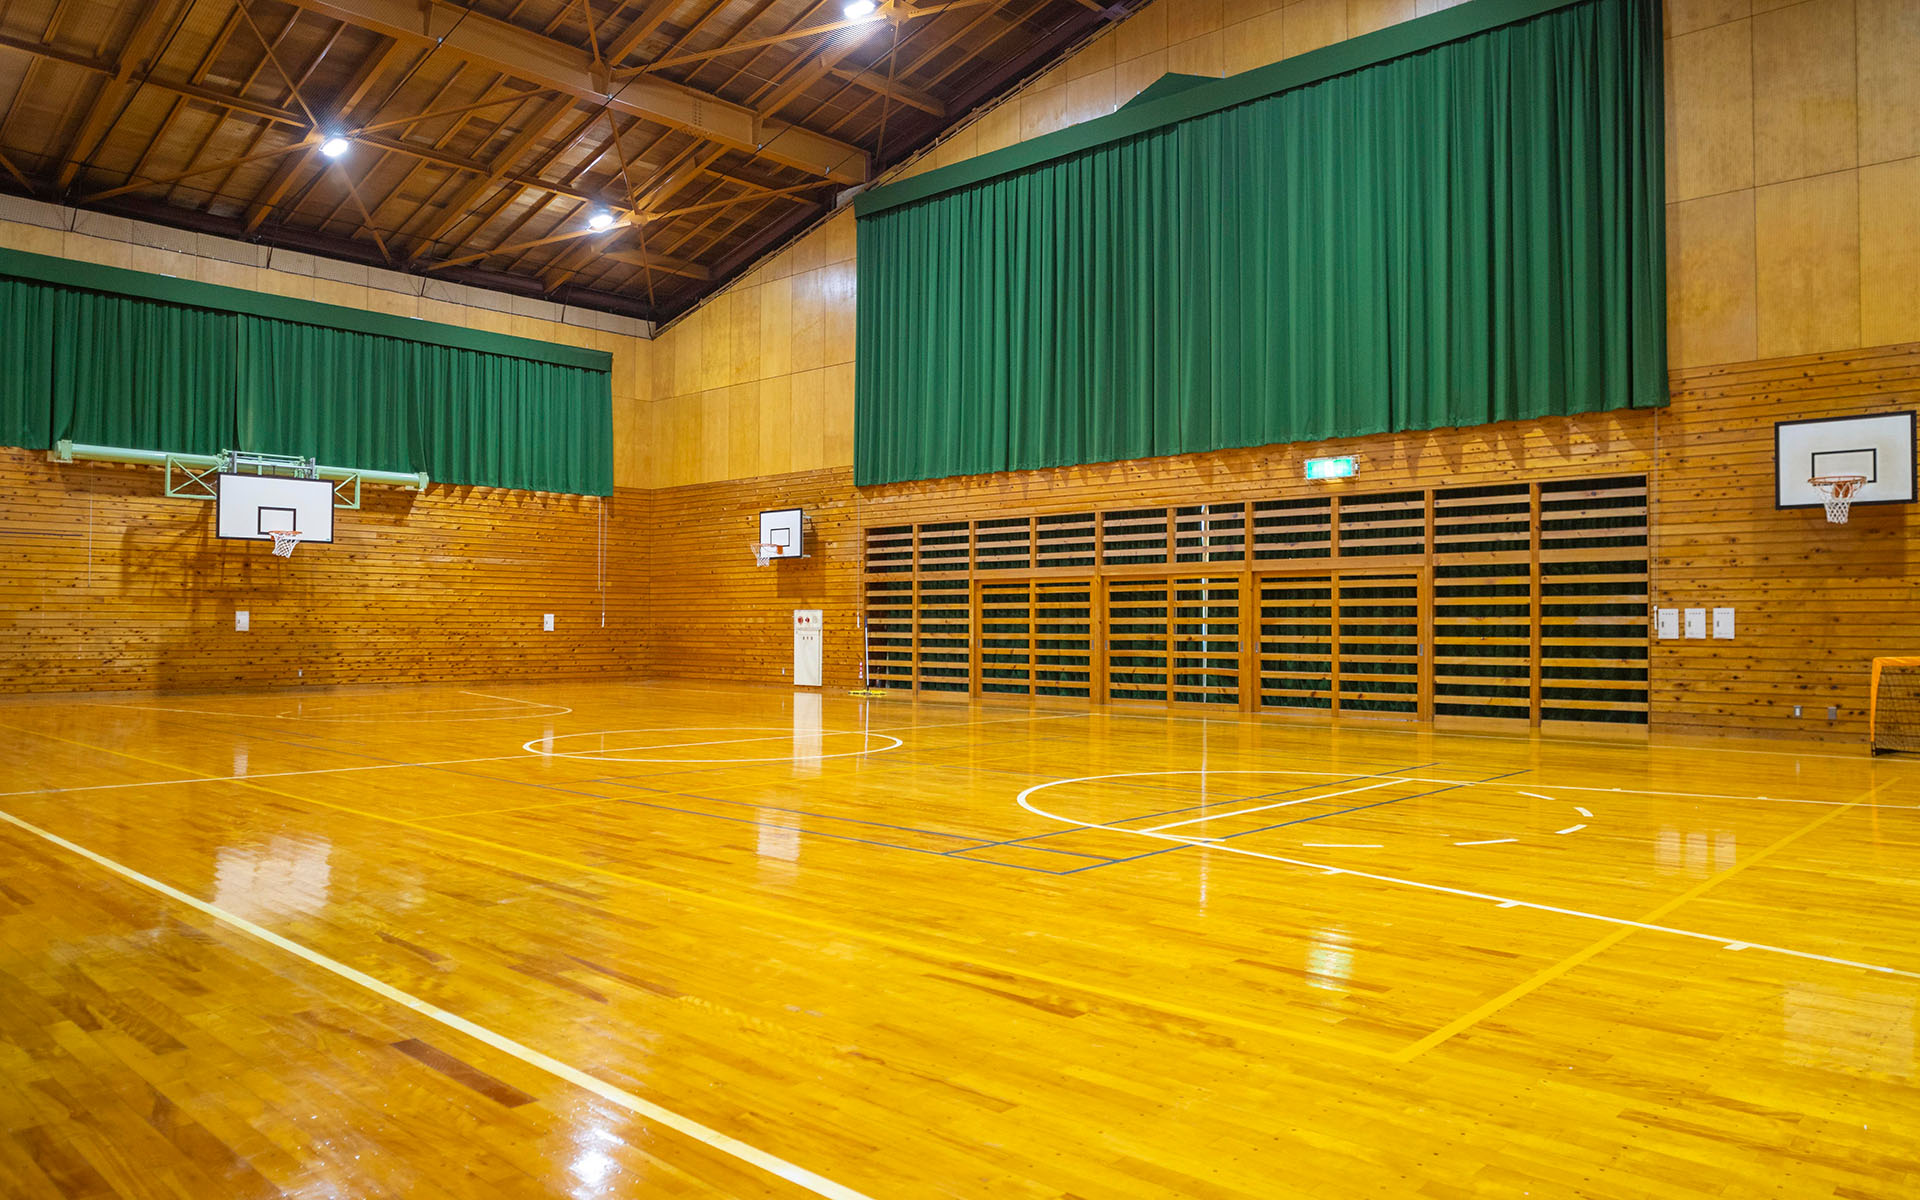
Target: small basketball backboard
(252, 507)
(783, 527)
(1878, 447)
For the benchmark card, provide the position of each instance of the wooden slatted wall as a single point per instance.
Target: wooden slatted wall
(1505, 602)
(108, 584)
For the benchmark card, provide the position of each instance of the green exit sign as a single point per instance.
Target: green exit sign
(1332, 468)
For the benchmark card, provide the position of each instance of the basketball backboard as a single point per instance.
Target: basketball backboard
(1878, 446)
(251, 507)
(783, 527)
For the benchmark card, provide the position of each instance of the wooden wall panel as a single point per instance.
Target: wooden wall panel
(713, 614)
(1890, 224)
(108, 584)
(1808, 271)
(1814, 601)
(1804, 90)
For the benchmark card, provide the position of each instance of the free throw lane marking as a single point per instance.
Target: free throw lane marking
(1025, 800)
(645, 1109)
(1263, 808)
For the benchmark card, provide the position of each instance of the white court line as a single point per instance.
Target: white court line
(1024, 801)
(1571, 829)
(1491, 841)
(1583, 812)
(1504, 786)
(1535, 795)
(618, 755)
(779, 735)
(1264, 807)
(108, 787)
(510, 699)
(1529, 739)
(995, 721)
(445, 762)
(552, 710)
(645, 1109)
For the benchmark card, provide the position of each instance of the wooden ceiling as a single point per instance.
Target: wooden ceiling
(484, 135)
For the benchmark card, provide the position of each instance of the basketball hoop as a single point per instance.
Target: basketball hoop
(284, 540)
(765, 552)
(1839, 492)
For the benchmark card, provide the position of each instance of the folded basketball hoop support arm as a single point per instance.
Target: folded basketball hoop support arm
(190, 476)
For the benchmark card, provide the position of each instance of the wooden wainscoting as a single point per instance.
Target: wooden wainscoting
(110, 584)
(1813, 602)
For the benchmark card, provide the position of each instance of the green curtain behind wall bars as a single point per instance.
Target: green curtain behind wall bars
(143, 372)
(1467, 229)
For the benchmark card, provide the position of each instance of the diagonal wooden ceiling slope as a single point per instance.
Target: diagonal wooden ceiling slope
(484, 136)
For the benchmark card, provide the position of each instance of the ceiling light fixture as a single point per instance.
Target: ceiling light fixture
(335, 146)
(860, 10)
(600, 220)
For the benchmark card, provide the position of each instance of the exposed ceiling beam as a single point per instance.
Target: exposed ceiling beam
(565, 235)
(15, 172)
(524, 54)
(644, 26)
(909, 96)
(899, 14)
(107, 102)
(460, 205)
(292, 120)
(284, 177)
(657, 262)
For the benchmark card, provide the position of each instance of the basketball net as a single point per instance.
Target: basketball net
(763, 552)
(284, 540)
(1838, 492)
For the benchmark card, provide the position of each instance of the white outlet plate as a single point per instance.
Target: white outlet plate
(241, 620)
(547, 623)
(1723, 622)
(1696, 622)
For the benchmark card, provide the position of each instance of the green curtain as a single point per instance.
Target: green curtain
(342, 397)
(129, 372)
(132, 371)
(490, 419)
(26, 364)
(1467, 234)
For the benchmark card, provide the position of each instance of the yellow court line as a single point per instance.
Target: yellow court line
(902, 945)
(1467, 1020)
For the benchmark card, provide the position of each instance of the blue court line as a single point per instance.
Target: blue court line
(1300, 821)
(840, 837)
(965, 850)
(801, 812)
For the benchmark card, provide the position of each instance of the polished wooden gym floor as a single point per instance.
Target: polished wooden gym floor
(689, 940)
